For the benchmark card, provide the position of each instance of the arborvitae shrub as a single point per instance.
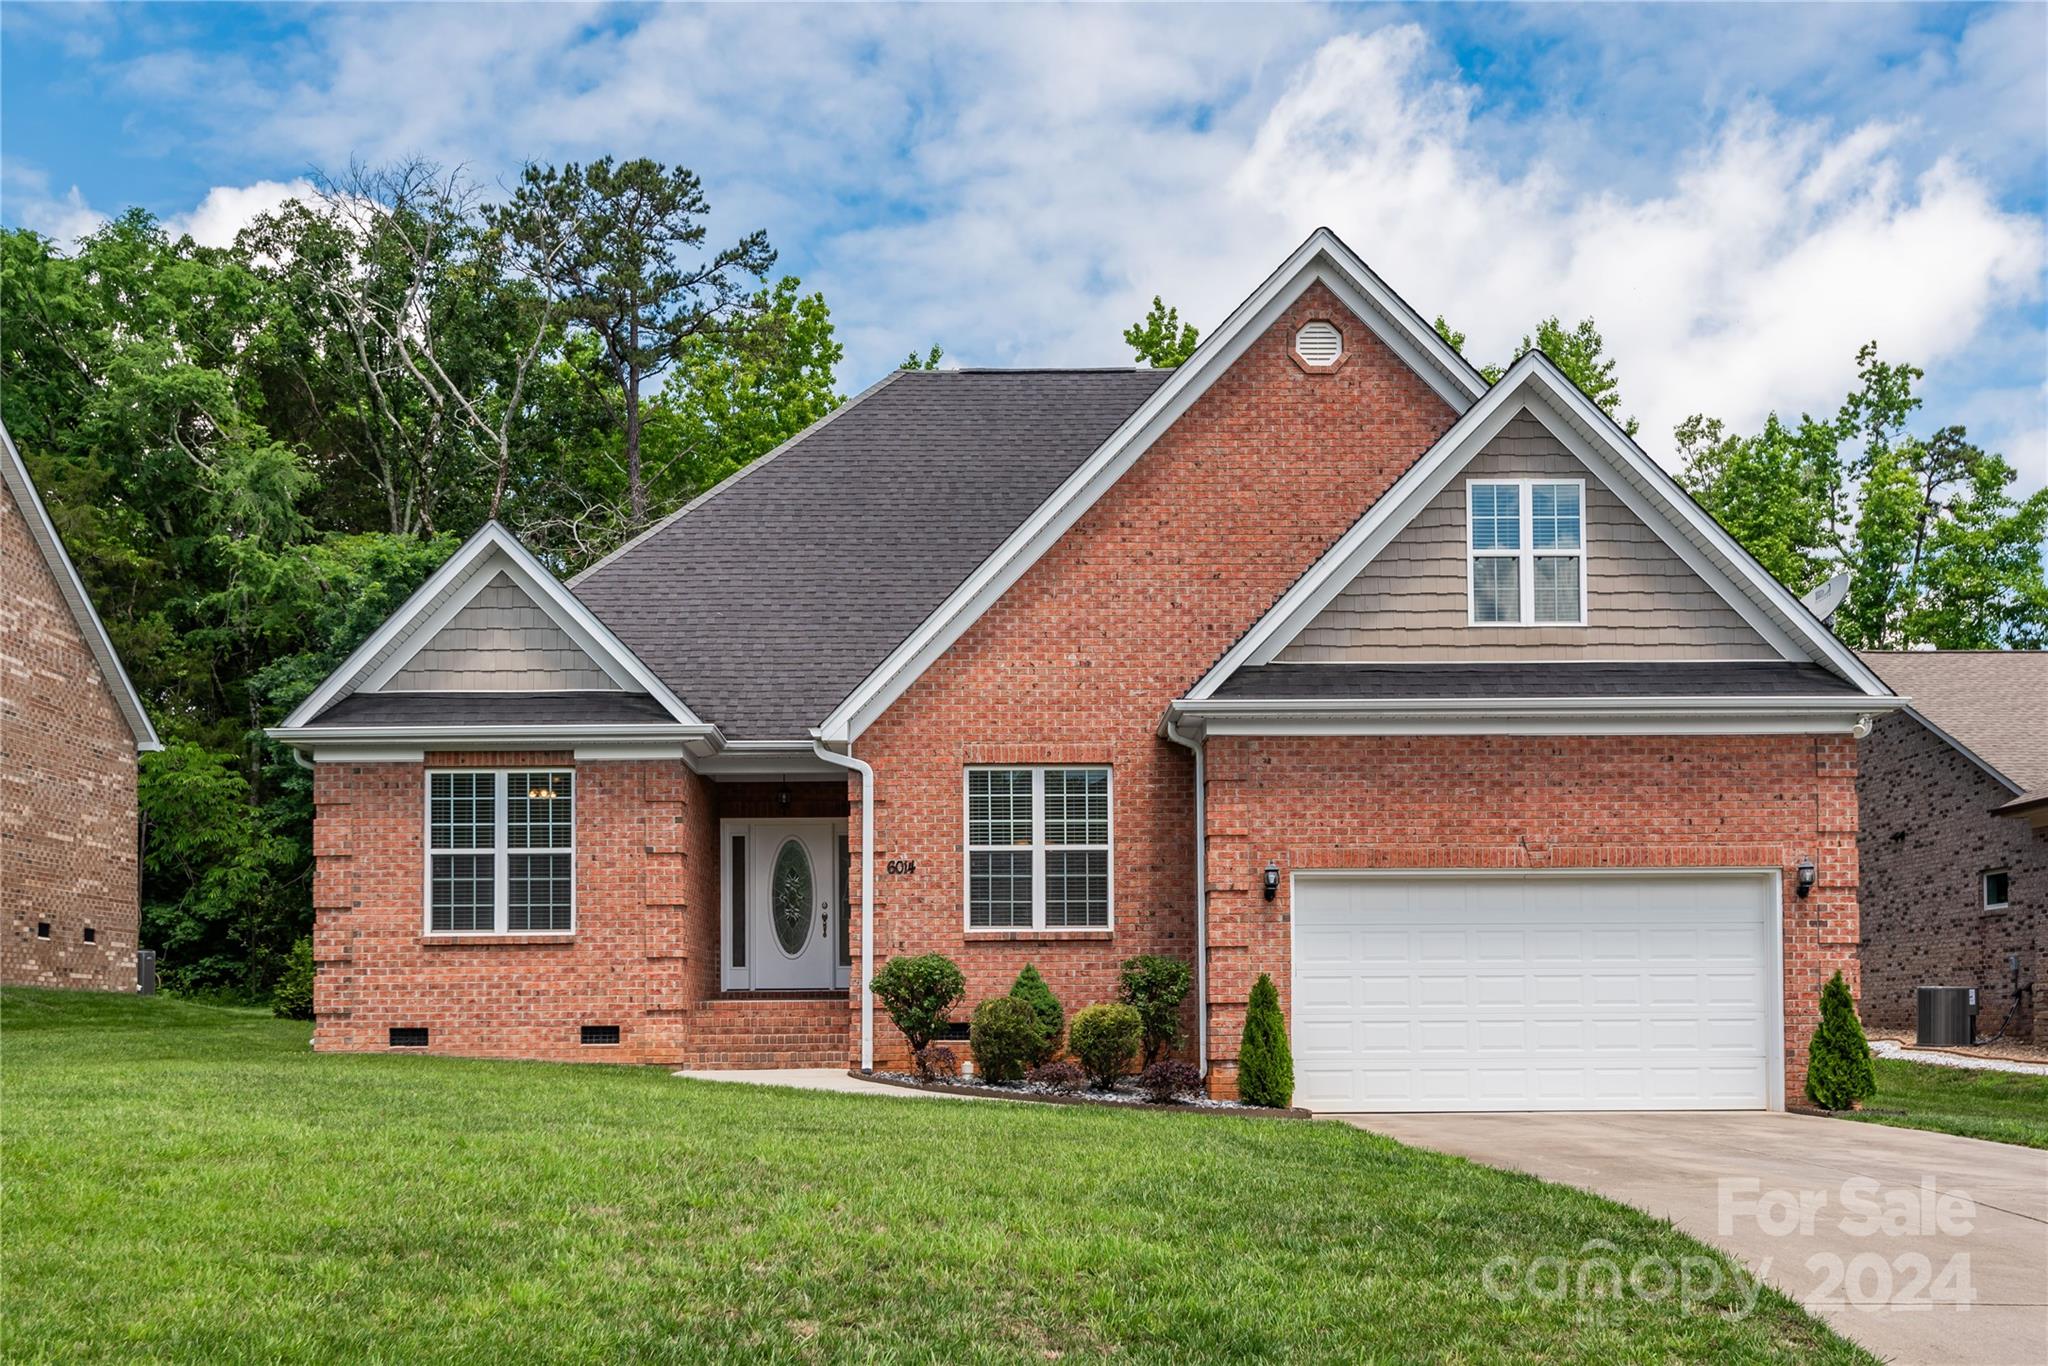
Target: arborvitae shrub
(1838, 1070)
(1265, 1063)
(293, 998)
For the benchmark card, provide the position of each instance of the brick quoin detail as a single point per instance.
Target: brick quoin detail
(68, 848)
(1079, 659)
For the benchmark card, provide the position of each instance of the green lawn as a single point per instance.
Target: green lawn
(190, 1182)
(2009, 1107)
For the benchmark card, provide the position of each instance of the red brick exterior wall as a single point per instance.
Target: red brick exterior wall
(644, 955)
(1928, 837)
(68, 854)
(1078, 661)
(1535, 802)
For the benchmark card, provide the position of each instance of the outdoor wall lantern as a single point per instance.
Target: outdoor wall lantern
(1272, 879)
(1805, 883)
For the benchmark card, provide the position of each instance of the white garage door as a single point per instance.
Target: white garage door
(1533, 992)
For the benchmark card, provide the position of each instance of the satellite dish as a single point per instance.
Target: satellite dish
(1823, 600)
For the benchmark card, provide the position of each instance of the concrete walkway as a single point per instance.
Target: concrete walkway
(1922, 1247)
(821, 1079)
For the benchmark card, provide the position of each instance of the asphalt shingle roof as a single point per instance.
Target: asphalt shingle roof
(1995, 702)
(766, 602)
(1644, 679)
(494, 709)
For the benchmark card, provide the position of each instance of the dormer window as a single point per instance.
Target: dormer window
(1526, 551)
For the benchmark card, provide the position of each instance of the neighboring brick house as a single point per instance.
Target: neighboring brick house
(1954, 844)
(1317, 657)
(70, 728)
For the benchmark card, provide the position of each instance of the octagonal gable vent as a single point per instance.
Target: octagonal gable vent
(1318, 343)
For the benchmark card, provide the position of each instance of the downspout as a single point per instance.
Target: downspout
(1196, 747)
(867, 895)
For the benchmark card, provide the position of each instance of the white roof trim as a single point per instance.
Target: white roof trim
(1709, 714)
(1637, 480)
(465, 574)
(43, 532)
(1322, 258)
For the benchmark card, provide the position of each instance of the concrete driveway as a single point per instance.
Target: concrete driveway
(1921, 1247)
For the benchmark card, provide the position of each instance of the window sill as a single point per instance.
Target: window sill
(1036, 936)
(462, 941)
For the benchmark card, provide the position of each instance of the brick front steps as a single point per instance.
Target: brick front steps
(769, 1029)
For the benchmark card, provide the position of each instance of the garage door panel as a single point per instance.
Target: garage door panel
(1545, 992)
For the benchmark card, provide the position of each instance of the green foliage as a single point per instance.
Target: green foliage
(1161, 340)
(1105, 1039)
(1581, 353)
(293, 997)
(919, 992)
(1838, 1071)
(1030, 988)
(1006, 1036)
(1155, 987)
(254, 454)
(1938, 550)
(1265, 1060)
(929, 361)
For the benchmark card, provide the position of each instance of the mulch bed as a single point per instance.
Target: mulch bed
(955, 1088)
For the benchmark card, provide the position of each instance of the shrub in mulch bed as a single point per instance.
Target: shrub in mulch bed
(1052, 1086)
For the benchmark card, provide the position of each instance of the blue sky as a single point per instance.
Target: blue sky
(1740, 195)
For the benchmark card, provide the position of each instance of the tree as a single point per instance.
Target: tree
(1160, 339)
(1581, 354)
(613, 237)
(1838, 1070)
(1456, 341)
(929, 361)
(1265, 1060)
(1938, 550)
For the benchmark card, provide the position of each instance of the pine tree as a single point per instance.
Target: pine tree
(1838, 1070)
(1265, 1062)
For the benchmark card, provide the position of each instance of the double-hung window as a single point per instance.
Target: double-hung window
(1038, 848)
(501, 851)
(1526, 548)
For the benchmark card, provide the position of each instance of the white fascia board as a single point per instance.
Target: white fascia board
(1322, 258)
(43, 532)
(450, 587)
(1593, 439)
(498, 736)
(1827, 713)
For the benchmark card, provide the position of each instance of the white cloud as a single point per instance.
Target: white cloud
(26, 197)
(227, 209)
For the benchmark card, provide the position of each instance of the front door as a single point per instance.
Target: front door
(791, 889)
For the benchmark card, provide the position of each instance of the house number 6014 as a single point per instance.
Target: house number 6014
(902, 865)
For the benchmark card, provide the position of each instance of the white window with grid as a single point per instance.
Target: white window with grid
(1526, 551)
(501, 851)
(1039, 853)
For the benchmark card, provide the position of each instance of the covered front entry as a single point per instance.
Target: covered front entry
(1472, 990)
(784, 906)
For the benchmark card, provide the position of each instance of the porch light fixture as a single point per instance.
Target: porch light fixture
(1805, 883)
(782, 796)
(1272, 879)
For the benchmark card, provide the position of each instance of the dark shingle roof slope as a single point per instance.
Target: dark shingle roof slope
(1992, 701)
(767, 601)
(563, 708)
(1644, 679)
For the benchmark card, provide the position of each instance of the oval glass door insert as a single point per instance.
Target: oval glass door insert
(789, 906)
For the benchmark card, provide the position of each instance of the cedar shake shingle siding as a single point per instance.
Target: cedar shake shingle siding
(1642, 600)
(67, 787)
(502, 641)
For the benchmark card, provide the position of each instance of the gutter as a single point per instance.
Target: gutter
(867, 895)
(314, 735)
(1198, 747)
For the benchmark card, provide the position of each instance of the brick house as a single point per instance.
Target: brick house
(70, 729)
(1316, 657)
(1954, 843)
